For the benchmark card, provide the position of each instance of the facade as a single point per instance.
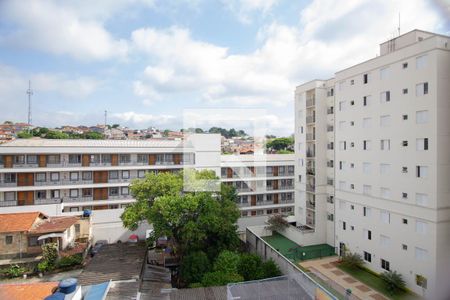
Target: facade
(264, 183)
(372, 150)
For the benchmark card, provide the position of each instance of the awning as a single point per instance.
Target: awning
(50, 235)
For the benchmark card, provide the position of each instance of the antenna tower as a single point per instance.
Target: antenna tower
(30, 93)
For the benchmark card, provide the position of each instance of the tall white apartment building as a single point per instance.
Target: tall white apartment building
(373, 160)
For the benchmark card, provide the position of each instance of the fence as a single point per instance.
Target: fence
(295, 280)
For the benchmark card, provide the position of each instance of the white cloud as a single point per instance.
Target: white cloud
(140, 119)
(59, 29)
(244, 9)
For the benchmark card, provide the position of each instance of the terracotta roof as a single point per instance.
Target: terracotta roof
(17, 222)
(29, 291)
(54, 224)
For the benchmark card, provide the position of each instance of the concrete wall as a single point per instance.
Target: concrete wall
(19, 244)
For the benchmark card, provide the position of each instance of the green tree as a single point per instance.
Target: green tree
(270, 269)
(115, 126)
(194, 266)
(282, 143)
(394, 281)
(227, 262)
(218, 278)
(250, 267)
(92, 135)
(277, 223)
(56, 135)
(24, 135)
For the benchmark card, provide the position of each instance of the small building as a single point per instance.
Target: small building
(23, 234)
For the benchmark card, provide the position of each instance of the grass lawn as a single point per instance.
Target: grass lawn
(375, 282)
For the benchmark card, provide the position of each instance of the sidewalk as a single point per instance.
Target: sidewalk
(326, 268)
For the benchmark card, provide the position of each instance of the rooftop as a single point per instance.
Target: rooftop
(55, 224)
(29, 291)
(18, 222)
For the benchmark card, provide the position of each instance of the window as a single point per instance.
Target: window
(352, 82)
(342, 145)
(344, 226)
(421, 254)
(405, 195)
(366, 100)
(141, 173)
(385, 265)
(422, 171)
(404, 247)
(53, 159)
(73, 176)
(405, 143)
(352, 186)
(95, 158)
(87, 192)
(367, 256)
(385, 121)
(352, 123)
(106, 158)
(385, 96)
(40, 177)
(341, 105)
(366, 122)
(367, 234)
(385, 217)
(54, 176)
(74, 158)
(73, 193)
(125, 174)
(114, 191)
(33, 241)
(19, 159)
(422, 144)
(10, 178)
(8, 239)
(31, 159)
(421, 227)
(113, 174)
(365, 78)
(9, 196)
(421, 89)
(86, 175)
(421, 62)
(41, 194)
(367, 211)
(421, 199)
(54, 194)
(385, 145)
(405, 221)
(77, 228)
(405, 91)
(367, 189)
(405, 117)
(385, 241)
(405, 65)
(384, 73)
(125, 158)
(385, 169)
(341, 165)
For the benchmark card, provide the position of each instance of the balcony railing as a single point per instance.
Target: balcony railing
(330, 181)
(62, 182)
(330, 110)
(310, 171)
(330, 146)
(8, 203)
(330, 199)
(310, 153)
(7, 184)
(310, 101)
(77, 199)
(310, 137)
(310, 188)
(25, 165)
(311, 205)
(47, 201)
(330, 128)
(310, 119)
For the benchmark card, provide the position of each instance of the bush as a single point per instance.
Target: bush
(250, 267)
(15, 271)
(50, 253)
(194, 266)
(70, 261)
(394, 281)
(277, 223)
(44, 266)
(219, 278)
(227, 262)
(195, 285)
(352, 260)
(270, 269)
(24, 135)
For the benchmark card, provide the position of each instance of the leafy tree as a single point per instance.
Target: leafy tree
(250, 267)
(352, 260)
(92, 135)
(394, 281)
(282, 143)
(218, 278)
(24, 135)
(166, 133)
(56, 135)
(270, 269)
(194, 266)
(277, 223)
(115, 126)
(227, 262)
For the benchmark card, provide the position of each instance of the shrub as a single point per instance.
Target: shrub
(352, 260)
(15, 271)
(393, 280)
(270, 269)
(43, 266)
(250, 267)
(277, 223)
(195, 285)
(219, 278)
(70, 261)
(50, 253)
(227, 262)
(194, 266)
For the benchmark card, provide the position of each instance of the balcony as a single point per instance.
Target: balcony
(119, 197)
(310, 188)
(62, 182)
(330, 110)
(330, 181)
(311, 205)
(7, 184)
(310, 137)
(330, 128)
(330, 146)
(47, 201)
(310, 154)
(78, 199)
(20, 166)
(8, 203)
(330, 199)
(310, 101)
(310, 171)
(286, 187)
(310, 119)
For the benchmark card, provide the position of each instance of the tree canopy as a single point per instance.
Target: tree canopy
(282, 143)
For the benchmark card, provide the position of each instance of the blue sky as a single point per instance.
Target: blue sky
(145, 61)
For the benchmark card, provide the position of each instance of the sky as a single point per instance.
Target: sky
(148, 61)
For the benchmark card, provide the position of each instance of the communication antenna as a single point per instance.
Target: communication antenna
(30, 93)
(398, 24)
(106, 117)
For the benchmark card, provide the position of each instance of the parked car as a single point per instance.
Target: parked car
(96, 248)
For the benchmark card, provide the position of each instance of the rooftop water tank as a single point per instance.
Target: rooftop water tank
(68, 285)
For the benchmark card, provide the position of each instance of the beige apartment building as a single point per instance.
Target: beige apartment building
(373, 163)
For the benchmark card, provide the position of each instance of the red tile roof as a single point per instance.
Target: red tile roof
(29, 291)
(18, 222)
(54, 224)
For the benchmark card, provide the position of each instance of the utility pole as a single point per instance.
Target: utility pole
(30, 93)
(398, 24)
(106, 117)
